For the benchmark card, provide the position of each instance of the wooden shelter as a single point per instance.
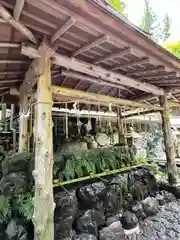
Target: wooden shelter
(78, 50)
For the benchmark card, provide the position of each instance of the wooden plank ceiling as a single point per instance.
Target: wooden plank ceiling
(88, 32)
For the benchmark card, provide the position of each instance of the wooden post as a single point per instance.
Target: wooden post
(3, 116)
(122, 139)
(169, 149)
(43, 217)
(23, 126)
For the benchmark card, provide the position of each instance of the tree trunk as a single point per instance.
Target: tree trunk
(43, 217)
(121, 134)
(169, 149)
(23, 126)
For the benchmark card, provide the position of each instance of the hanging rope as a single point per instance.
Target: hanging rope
(24, 115)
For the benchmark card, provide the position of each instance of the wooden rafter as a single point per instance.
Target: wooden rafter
(90, 87)
(18, 9)
(11, 72)
(132, 64)
(10, 81)
(149, 47)
(62, 29)
(14, 62)
(66, 92)
(146, 71)
(113, 55)
(99, 72)
(159, 75)
(9, 45)
(91, 79)
(16, 24)
(93, 44)
(78, 84)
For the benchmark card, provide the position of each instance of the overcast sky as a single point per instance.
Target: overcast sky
(172, 7)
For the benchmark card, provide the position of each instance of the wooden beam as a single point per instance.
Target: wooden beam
(168, 141)
(99, 72)
(30, 79)
(14, 62)
(144, 112)
(29, 51)
(11, 73)
(98, 98)
(4, 88)
(10, 81)
(18, 9)
(69, 23)
(113, 55)
(146, 71)
(158, 75)
(91, 79)
(9, 45)
(93, 44)
(132, 64)
(43, 173)
(16, 24)
(33, 73)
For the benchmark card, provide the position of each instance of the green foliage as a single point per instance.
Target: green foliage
(83, 163)
(174, 48)
(5, 209)
(150, 22)
(166, 27)
(25, 206)
(118, 5)
(140, 160)
(154, 167)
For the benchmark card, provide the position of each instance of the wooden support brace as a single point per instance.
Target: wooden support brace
(16, 24)
(93, 44)
(18, 9)
(62, 30)
(43, 219)
(168, 141)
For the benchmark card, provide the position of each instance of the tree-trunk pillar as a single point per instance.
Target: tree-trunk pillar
(23, 126)
(121, 134)
(43, 217)
(169, 149)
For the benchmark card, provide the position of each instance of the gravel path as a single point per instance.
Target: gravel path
(164, 226)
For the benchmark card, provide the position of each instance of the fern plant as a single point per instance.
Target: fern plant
(25, 206)
(83, 163)
(5, 209)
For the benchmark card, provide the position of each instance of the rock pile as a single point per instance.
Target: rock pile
(105, 209)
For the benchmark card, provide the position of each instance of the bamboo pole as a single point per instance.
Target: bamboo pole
(43, 217)
(168, 141)
(99, 98)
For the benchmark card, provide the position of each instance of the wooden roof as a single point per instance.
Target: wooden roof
(89, 31)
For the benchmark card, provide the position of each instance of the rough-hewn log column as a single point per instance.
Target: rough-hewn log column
(122, 140)
(23, 126)
(169, 149)
(43, 217)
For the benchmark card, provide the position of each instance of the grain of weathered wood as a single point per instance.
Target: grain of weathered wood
(43, 217)
(168, 141)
